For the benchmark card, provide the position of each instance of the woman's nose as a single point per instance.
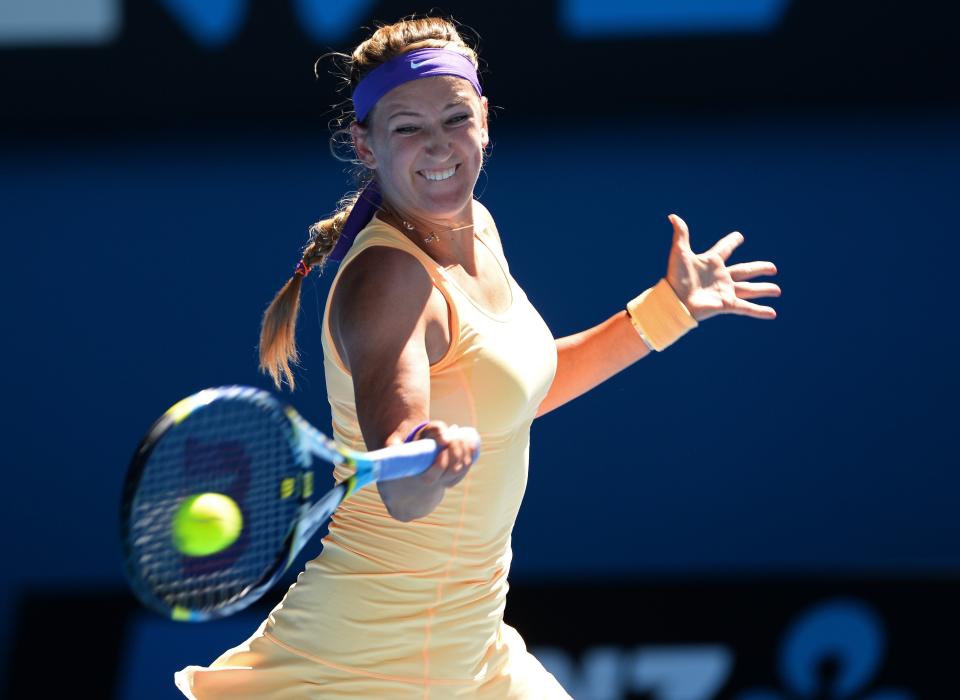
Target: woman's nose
(438, 143)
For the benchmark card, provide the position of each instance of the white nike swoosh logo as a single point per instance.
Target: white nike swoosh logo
(417, 65)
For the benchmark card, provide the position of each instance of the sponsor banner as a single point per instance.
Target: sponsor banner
(756, 639)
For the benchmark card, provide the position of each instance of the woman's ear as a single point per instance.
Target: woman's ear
(361, 144)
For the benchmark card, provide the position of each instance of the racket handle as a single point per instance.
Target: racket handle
(412, 458)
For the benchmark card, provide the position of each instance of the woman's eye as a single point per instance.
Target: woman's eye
(459, 119)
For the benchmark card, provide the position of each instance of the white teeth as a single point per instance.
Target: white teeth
(439, 175)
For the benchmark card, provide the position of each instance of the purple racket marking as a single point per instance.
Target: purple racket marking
(203, 460)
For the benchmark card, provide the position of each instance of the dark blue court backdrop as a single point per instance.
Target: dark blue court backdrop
(136, 267)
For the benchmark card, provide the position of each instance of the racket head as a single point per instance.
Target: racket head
(234, 440)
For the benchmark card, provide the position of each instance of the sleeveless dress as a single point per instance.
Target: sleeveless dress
(415, 610)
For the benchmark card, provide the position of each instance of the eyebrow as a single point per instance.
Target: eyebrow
(460, 101)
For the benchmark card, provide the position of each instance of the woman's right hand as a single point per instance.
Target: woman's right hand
(417, 496)
(458, 451)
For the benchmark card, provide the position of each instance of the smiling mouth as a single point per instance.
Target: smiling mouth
(439, 175)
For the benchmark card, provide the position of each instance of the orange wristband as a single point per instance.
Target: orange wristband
(659, 316)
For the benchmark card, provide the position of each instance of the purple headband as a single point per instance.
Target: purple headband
(420, 63)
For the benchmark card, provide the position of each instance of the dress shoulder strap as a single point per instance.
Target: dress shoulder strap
(487, 231)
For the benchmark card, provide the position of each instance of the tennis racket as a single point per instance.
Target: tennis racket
(240, 443)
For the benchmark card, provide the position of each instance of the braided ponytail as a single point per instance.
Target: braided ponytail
(278, 349)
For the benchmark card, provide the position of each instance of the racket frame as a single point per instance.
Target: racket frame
(307, 443)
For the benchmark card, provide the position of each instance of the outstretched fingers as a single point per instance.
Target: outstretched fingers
(756, 290)
(726, 245)
(746, 308)
(749, 270)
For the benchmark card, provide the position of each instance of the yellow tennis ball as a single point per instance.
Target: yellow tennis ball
(206, 523)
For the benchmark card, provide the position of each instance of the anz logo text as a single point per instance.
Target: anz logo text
(214, 24)
(832, 650)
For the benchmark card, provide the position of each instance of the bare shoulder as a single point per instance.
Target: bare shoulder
(382, 270)
(373, 283)
(382, 300)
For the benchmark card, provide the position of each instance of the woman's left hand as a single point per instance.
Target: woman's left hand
(705, 284)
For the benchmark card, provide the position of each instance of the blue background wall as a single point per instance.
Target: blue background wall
(137, 265)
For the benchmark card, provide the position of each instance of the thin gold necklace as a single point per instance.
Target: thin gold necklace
(432, 237)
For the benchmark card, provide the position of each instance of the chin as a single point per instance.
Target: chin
(448, 204)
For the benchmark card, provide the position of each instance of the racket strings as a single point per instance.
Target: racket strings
(237, 447)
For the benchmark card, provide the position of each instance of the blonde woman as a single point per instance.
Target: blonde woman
(425, 330)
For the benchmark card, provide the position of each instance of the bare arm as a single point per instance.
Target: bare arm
(590, 357)
(703, 283)
(380, 314)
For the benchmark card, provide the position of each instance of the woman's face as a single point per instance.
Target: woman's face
(425, 140)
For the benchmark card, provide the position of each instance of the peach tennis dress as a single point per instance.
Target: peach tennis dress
(414, 611)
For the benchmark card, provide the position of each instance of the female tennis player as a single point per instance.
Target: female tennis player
(425, 330)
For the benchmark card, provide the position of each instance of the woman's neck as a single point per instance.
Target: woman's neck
(448, 242)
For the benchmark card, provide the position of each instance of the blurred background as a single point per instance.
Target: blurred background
(784, 524)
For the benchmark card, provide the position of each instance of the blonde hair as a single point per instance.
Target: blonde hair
(278, 349)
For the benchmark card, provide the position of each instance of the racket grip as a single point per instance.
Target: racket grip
(413, 458)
